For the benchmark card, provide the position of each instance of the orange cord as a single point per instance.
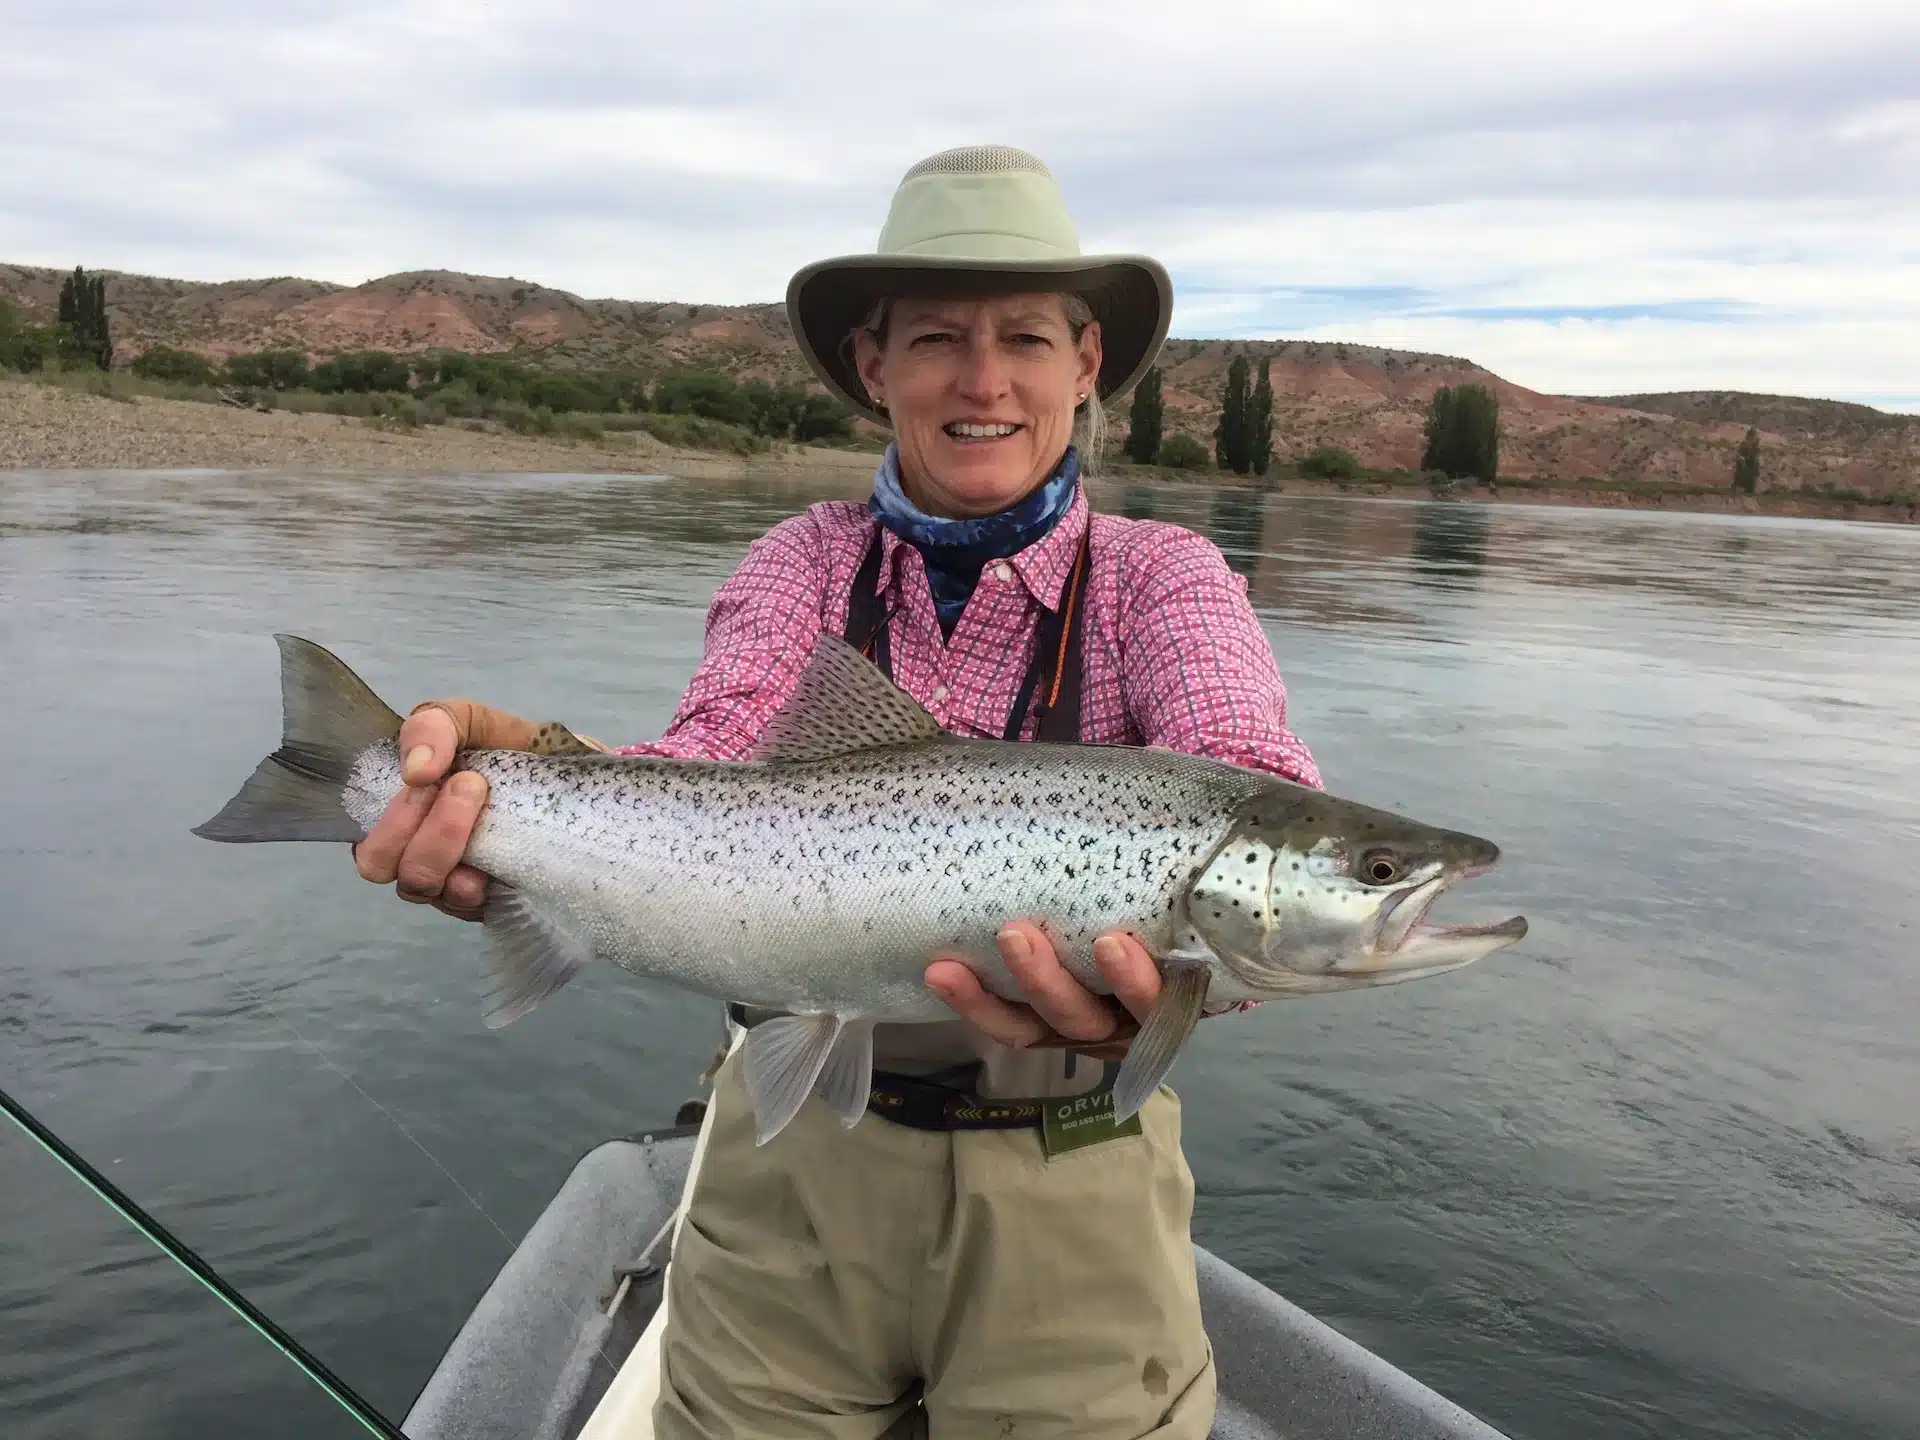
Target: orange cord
(1073, 598)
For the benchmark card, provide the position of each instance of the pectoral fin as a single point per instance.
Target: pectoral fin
(1183, 991)
(846, 1080)
(783, 1061)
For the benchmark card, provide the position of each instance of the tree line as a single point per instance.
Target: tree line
(465, 384)
(1462, 431)
(460, 384)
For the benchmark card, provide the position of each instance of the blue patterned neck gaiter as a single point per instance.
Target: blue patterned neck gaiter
(955, 551)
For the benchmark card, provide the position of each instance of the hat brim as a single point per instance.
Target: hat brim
(1131, 297)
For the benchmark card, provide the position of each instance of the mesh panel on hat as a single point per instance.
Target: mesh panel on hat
(979, 160)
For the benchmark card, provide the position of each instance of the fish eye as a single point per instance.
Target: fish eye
(1380, 867)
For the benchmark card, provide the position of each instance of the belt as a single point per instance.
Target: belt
(924, 1105)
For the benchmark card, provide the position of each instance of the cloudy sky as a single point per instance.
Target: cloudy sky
(1587, 197)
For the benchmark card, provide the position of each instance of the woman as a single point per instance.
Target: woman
(942, 1244)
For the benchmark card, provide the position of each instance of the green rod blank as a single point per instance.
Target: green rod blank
(187, 1260)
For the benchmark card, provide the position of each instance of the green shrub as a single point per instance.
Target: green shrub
(361, 371)
(347, 402)
(1183, 452)
(458, 398)
(1330, 462)
(171, 366)
(524, 419)
(516, 415)
(702, 393)
(25, 346)
(696, 432)
(268, 370)
(822, 417)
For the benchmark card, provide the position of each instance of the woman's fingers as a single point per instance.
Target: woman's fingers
(1009, 1024)
(1059, 1006)
(377, 857)
(442, 838)
(465, 893)
(429, 738)
(1130, 971)
(1062, 1001)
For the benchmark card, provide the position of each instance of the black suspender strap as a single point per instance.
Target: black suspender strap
(1055, 671)
(1054, 674)
(866, 618)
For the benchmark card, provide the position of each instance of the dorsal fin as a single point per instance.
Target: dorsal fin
(843, 704)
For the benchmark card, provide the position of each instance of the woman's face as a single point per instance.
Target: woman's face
(981, 394)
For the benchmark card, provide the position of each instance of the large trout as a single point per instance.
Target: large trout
(819, 878)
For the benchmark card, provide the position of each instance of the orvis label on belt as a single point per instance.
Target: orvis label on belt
(1077, 1121)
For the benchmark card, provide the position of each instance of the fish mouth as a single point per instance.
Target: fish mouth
(1407, 942)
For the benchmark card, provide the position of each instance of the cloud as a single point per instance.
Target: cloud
(1582, 197)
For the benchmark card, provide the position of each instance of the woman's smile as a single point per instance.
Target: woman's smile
(981, 432)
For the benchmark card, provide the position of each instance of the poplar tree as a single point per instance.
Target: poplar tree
(1230, 447)
(1746, 463)
(1260, 421)
(1144, 421)
(83, 310)
(1463, 432)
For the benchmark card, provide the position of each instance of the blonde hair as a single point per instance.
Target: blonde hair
(1090, 416)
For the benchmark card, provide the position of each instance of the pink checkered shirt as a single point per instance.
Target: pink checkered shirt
(1171, 651)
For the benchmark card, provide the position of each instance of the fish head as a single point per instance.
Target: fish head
(1309, 892)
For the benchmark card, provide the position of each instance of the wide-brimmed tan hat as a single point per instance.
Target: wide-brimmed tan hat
(982, 219)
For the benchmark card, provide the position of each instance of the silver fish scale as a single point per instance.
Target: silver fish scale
(829, 885)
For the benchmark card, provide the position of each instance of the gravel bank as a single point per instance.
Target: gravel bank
(43, 427)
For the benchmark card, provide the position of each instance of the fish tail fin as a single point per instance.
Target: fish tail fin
(328, 719)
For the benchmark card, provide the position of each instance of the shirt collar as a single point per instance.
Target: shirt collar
(1043, 566)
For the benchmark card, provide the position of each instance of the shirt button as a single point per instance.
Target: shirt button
(939, 693)
(1003, 571)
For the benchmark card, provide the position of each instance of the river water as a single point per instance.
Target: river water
(1654, 1172)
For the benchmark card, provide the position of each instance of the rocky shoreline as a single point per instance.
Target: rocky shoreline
(46, 427)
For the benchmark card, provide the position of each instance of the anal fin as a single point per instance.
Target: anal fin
(530, 954)
(783, 1061)
(1183, 993)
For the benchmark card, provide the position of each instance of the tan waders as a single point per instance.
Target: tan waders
(817, 1278)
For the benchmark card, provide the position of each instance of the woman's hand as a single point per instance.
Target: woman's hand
(1061, 1012)
(416, 845)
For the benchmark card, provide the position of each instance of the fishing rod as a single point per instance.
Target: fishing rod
(187, 1260)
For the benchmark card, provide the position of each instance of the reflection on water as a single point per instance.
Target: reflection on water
(1235, 523)
(1450, 544)
(1654, 1172)
(1140, 502)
